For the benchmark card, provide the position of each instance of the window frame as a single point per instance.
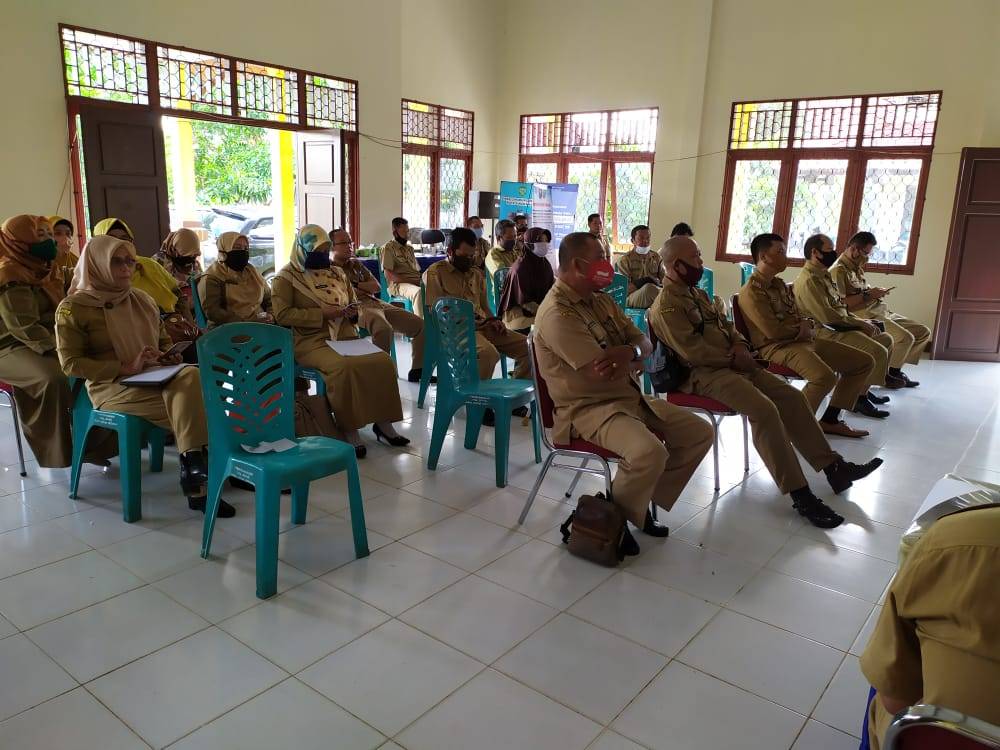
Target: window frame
(562, 158)
(437, 152)
(857, 157)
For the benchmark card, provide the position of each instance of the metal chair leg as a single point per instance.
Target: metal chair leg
(746, 445)
(576, 478)
(534, 489)
(17, 431)
(715, 447)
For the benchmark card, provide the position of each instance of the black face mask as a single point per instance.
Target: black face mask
(43, 250)
(238, 259)
(317, 259)
(184, 264)
(828, 258)
(461, 262)
(401, 240)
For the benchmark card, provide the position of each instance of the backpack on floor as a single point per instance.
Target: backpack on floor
(594, 530)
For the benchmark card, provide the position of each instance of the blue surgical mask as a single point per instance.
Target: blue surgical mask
(478, 231)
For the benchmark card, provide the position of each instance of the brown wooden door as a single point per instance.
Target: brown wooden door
(968, 326)
(125, 170)
(318, 178)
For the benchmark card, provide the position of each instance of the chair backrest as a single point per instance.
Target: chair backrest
(618, 289)
(456, 331)
(707, 283)
(499, 279)
(546, 406)
(927, 727)
(746, 271)
(248, 382)
(383, 291)
(738, 320)
(199, 311)
(431, 237)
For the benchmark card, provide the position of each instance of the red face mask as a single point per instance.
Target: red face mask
(600, 273)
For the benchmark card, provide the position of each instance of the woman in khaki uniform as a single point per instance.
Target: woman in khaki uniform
(31, 286)
(232, 290)
(180, 256)
(107, 330)
(318, 303)
(66, 255)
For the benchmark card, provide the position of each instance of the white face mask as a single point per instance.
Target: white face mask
(642, 250)
(541, 249)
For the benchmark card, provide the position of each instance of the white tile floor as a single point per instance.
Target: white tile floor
(463, 630)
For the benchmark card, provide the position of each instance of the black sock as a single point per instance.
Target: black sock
(896, 371)
(831, 415)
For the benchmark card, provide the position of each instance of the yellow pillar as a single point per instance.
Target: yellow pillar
(184, 184)
(283, 194)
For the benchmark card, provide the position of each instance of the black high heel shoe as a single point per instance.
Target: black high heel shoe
(396, 442)
(360, 451)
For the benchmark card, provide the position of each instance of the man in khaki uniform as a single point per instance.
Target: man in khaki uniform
(937, 640)
(596, 226)
(507, 250)
(781, 335)
(380, 318)
(816, 296)
(686, 320)
(457, 278)
(399, 264)
(483, 245)
(590, 354)
(908, 336)
(643, 269)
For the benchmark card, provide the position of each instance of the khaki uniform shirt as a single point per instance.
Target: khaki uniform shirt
(605, 245)
(402, 261)
(637, 266)
(938, 638)
(444, 280)
(27, 318)
(500, 258)
(769, 310)
(358, 273)
(570, 333)
(216, 306)
(686, 320)
(483, 247)
(850, 279)
(303, 314)
(817, 296)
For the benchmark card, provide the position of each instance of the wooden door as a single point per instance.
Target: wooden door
(968, 320)
(318, 178)
(125, 170)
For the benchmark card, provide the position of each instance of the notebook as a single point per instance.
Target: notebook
(155, 375)
(354, 347)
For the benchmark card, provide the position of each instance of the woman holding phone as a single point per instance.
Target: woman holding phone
(316, 300)
(107, 330)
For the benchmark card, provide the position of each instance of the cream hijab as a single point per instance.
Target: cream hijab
(325, 286)
(244, 289)
(132, 317)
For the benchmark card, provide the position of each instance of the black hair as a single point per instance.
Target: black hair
(683, 230)
(592, 217)
(762, 242)
(813, 243)
(502, 225)
(572, 245)
(461, 236)
(518, 216)
(64, 222)
(863, 239)
(471, 219)
(398, 222)
(638, 228)
(539, 231)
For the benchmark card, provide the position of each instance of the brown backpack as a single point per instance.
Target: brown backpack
(595, 529)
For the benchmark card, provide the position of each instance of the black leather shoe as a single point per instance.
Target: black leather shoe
(894, 383)
(909, 383)
(225, 509)
(817, 512)
(360, 451)
(194, 473)
(521, 411)
(489, 418)
(842, 474)
(651, 527)
(629, 546)
(414, 376)
(866, 408)
(397, 441)
(239, 484)
(876, 399)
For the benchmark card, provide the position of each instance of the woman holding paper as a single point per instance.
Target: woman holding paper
(317, 302)
(106, 331)
(232, 289)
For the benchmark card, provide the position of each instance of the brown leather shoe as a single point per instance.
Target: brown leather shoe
(894, 383)
(842, 429)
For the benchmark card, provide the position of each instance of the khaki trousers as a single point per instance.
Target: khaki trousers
(44, 402)
(644, 296)
(878, 348)
(490, 345)
(827, 366)
(178, 407)
(651, 469)
(412, 292)
(780, 417)
(382, 321)
(909, 339)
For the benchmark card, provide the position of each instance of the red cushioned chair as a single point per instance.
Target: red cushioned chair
(927, 727)
(7, 392)
(741, 325)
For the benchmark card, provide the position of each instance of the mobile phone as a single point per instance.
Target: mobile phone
(176, 349)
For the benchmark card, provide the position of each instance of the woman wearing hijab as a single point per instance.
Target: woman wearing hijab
(107, 330)
(232, 290)
(317, 302)
(31, 287)
(180, 256)
(527, 282)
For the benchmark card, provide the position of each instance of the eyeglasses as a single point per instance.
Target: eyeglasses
(123, 262)
(349, 243)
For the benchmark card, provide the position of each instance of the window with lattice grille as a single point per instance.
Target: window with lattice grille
(437, 164)
(832, 165)
(608, 153)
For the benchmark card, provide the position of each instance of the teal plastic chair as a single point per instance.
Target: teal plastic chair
(746, 270)
(707, 283)
(199, 311)
(459, 385)
(392, 300)
(618, 290)
(494, 289)
(431, 347)
(134, 433)
(248, 382)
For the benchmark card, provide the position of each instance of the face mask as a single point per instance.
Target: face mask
(642, 249)
(401, 240)
(689, 274)
(828, 258)
(600, 273)
(44, 250)
(461, 262)
(183, 263)
(508, 244)
(541, 249)
(317, 259)
(478, 231)
(238, 259)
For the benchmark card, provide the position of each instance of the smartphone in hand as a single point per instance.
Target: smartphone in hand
(176, 350)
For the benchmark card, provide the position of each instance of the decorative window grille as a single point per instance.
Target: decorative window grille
(194, 80)
(331, 102)
(100, 66)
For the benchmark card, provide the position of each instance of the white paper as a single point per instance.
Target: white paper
(275, 446)
(154, 376)
(353, 347)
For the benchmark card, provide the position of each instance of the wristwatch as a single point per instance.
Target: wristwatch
(637, 351)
